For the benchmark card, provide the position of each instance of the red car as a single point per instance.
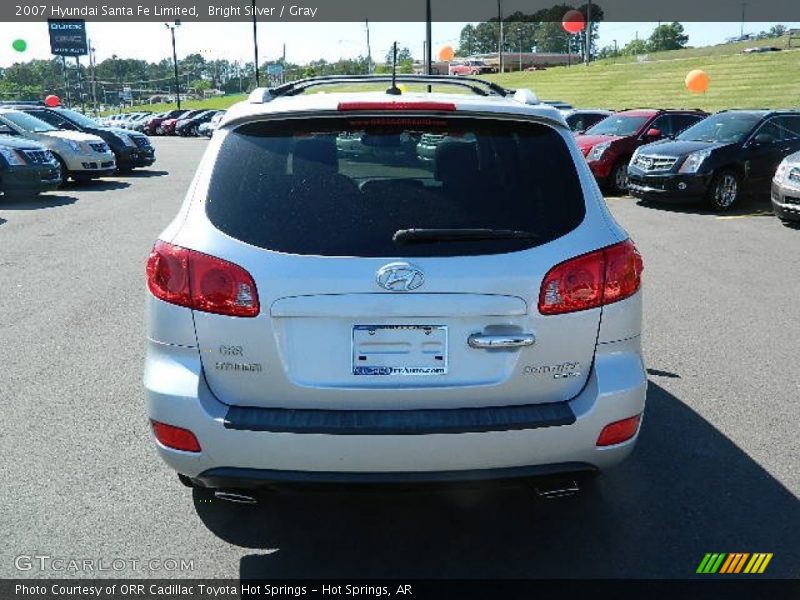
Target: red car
(153, 125)
(609, 145)
(470, 67)
(168, 125)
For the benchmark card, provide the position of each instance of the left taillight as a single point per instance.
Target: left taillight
(592, 280)
(199, 281)
(176, 438)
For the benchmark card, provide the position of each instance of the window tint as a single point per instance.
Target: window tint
(681, 122)
(771, 129)
(663, 124)
(790, 127)
(344, 187)
(618, 125)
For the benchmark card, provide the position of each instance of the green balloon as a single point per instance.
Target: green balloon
(20, 45)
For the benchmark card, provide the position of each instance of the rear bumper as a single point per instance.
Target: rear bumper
(785, 203)
(177, 394)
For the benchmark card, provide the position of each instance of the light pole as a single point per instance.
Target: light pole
(172, 27)
(255, 45)
(588, 42)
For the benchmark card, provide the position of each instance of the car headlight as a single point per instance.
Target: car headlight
(74, 146)
(11, 157)
(780, 172)
(692, 162)
(597, 151)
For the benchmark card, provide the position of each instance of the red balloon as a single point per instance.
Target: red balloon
(573, 21)
(52, 100)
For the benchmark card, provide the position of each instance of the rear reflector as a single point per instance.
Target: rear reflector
(619, 431)
(176, 438)
(199, 281)
(592, 280)
(403, 105)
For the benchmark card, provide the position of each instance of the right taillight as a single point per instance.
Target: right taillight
(592, 280)
(199, 281)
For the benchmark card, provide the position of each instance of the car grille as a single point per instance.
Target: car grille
(37, 157)
(791, 200)
(141, 141)
(99, 146)
(655, 163)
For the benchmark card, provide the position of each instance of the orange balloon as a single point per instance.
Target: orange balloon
(446, 53)
(697, 81)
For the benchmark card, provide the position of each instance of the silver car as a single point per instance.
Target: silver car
(475, 316)
(786, 190)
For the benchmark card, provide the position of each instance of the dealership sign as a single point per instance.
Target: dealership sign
(67, 37)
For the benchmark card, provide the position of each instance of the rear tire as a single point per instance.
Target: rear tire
(725, 191)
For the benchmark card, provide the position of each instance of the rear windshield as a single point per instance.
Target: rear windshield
(346, 186)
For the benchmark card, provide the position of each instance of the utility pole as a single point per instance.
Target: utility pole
(369, 52)
(501, 41)
(429, 42)
(93, 65)
(80, 83)
(255, 44)
(175, 61)
(588, 44)
(66, 80)
(741, 31)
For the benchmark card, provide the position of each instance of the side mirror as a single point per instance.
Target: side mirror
(653, 133)
(763, 138)
(6, 130)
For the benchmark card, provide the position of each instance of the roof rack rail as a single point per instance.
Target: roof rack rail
(477, 86)
(21, 103)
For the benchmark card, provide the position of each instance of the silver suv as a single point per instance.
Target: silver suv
(317, 316)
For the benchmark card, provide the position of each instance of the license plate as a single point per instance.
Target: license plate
(400, 350)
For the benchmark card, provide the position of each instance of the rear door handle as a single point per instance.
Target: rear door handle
(518, 340)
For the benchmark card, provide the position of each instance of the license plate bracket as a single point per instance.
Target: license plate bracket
(399, 350)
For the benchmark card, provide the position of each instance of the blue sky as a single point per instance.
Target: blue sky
(304, 41)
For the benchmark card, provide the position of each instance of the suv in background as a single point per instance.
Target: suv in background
(718, 159)
(130, 149)
(80, 155)
(609, 145)
(26, 168)
(317, 319)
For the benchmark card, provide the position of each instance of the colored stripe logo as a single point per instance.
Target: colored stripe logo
(734, 563)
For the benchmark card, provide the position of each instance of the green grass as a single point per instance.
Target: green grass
(767, 80)
(737, 80)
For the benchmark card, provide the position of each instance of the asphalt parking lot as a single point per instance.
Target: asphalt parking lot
(716, 469)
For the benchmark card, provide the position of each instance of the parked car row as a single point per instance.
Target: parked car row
(672, 154)
(182, 122)
(42, 147)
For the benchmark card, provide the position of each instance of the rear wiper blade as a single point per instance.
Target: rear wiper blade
(419, 236)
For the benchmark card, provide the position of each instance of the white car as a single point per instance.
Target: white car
(80, 155)
(474, 316)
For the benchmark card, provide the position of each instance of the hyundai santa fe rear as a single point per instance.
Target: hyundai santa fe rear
(321, 316)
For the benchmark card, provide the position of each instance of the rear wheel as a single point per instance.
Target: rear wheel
(725, 190)
(618, 181)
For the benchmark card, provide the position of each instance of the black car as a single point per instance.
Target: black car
(26, 168)
(131, 149)
(191, 125)
(718, 159)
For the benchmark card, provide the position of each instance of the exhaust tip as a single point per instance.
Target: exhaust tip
(235, 497)
(557, 489)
